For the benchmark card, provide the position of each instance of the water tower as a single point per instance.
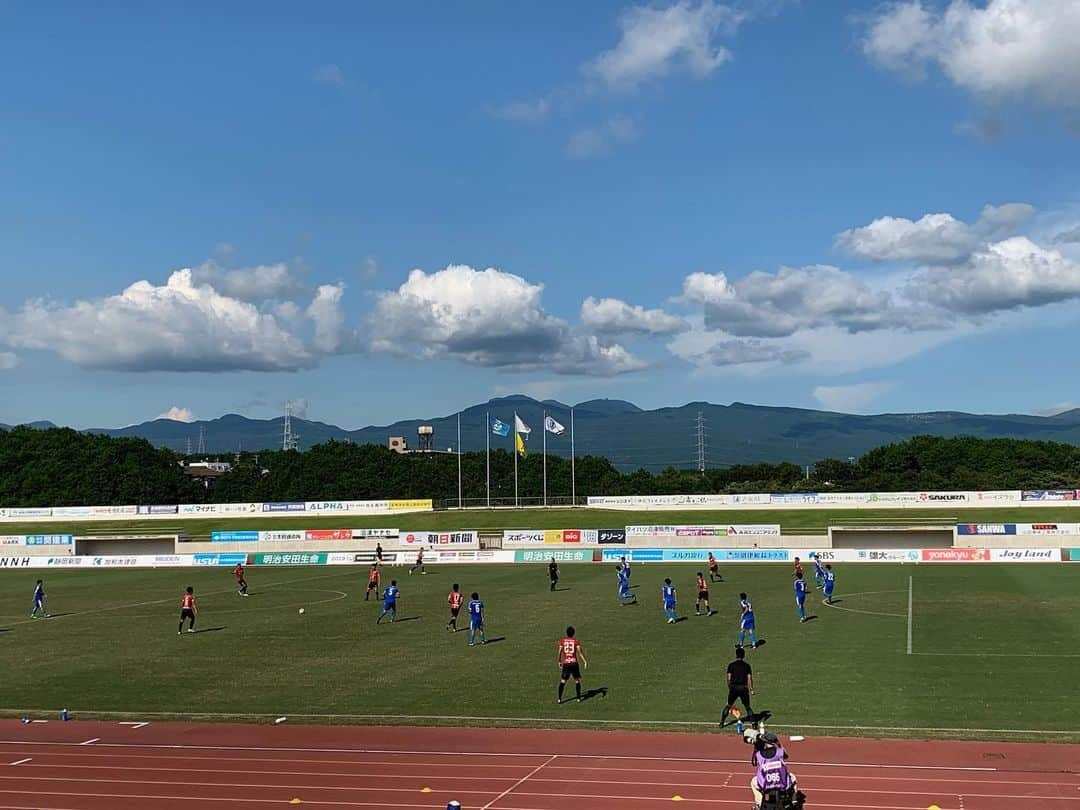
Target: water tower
(425, 435)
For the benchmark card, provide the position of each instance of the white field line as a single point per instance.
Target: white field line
(1000, 654)
(89, 713)
(910, 599)
(522, 780)
(864, 612)
(21, 761)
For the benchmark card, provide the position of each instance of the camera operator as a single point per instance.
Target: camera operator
(770, 759)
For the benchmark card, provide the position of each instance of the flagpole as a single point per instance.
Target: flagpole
(487, 433)
(459, 503)
(545, 457)
(516, 503)
(573, 472)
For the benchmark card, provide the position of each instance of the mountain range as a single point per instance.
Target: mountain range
(627, 435)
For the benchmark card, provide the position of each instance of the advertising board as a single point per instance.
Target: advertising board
(523, 537)
(971, 529)
(611, 537)
(889, 555)
(49, 539)
(230, 560)
(438, 539)
(234, 537)
(948, 555)
(158, 509)
(285, 506)
(1026, 555)
(696, 554)
(1048, 495)
(291, 558)
(328, 534)
(560, 555)
(410, 505)
(374, 534)
(284, 536)
(723, 530)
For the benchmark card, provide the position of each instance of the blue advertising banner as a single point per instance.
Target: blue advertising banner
(234, 537)
(970, 529)
(220, 559)
(697, 554)
(285, 506)
(49, 539)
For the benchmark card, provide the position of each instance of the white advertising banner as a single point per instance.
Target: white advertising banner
(769, 530)
(438, 539)
(1025, 555)
(523, 537)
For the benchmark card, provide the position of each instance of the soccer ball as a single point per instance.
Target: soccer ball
(301, 611)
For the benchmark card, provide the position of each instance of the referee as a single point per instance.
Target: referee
(740, 682)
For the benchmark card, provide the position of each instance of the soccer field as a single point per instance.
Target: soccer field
(994, 648)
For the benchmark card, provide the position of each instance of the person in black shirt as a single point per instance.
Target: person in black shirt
(553, 573)
(740, 681)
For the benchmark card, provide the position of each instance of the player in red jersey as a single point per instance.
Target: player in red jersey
(372, 582)
(455, 600)
(702, 596)
(572, 660)
(241, 583)
(188, 609)
(714, 568)
(798, 568)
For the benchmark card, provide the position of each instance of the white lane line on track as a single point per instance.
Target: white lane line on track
(521, 781)
(21, 761)
(486, 754)
(91, 742)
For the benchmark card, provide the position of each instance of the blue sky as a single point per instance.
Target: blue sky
(402, 209)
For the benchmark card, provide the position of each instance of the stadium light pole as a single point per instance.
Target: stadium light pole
(545, 457)
(459, 503)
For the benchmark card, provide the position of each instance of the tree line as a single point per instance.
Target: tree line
(65, 467)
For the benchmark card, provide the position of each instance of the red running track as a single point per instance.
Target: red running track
(168, 766)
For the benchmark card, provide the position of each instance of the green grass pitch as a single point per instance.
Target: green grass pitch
(994, 648)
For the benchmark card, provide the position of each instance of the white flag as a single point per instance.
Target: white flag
(551, 426)
(521, 427)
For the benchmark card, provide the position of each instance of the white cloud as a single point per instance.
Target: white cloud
(486, 318)
(850, 398)
(793, 299)
(330, 76)
(1003, 48)
(8, 361)
(177, 414)
(265, 282)
(934, 238)
(657, 42)
(181, 326)
(526, 111)
(300, 407)
(1059, 408)
(225, 249)
(1005, 275)
(598, 140)
(749, 352)
(370, 268)
(325, 312)
(610, 316)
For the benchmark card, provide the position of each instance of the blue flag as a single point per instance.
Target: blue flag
(500, 428)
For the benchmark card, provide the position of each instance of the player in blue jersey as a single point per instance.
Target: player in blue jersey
(747, 622)
(625, 563)
(476, 619)
(625, 597)
(819, 572)
(668, 594)
(800, 595)
(830, 583)
(390, 596)
(39, 601)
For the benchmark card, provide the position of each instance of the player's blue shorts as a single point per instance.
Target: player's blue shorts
(39, 603)
(747, 623)
(476, 623)
(624, 588)
(800, 600)
(669, 605)
(829, 588)
(389, 606)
